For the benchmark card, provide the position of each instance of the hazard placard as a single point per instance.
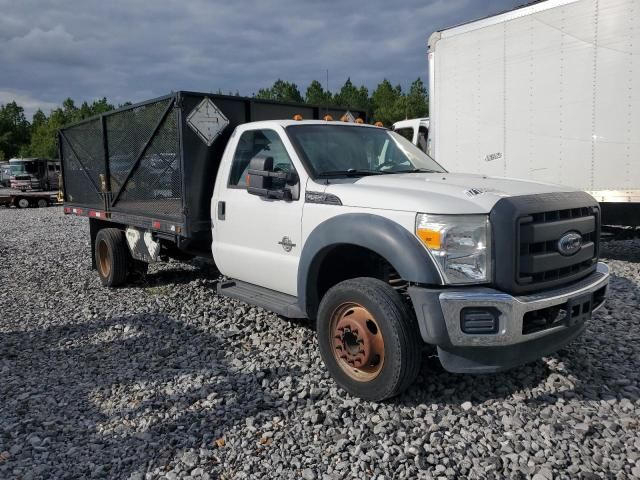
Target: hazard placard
(207, 121)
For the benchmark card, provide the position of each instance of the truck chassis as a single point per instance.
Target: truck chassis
(17, 199)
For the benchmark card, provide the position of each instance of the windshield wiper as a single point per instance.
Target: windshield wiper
(416, 170)
(351, 172)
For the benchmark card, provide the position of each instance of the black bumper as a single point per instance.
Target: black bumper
(526, 327)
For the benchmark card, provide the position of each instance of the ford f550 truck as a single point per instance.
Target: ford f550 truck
(346, 224)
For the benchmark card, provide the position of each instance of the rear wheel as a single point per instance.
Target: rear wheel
(368, 338)
(23, 202)
(112, 257)
(43, 203)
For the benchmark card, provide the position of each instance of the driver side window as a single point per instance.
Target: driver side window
(253, 143)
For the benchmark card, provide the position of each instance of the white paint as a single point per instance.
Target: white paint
(246, 242)
(553, 88)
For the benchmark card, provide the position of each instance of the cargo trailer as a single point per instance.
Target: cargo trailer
(547, 92)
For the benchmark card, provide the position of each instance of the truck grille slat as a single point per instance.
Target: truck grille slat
(526, 231)
(539, 260)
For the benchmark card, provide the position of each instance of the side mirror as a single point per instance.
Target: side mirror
(261, 178)
(258, 179)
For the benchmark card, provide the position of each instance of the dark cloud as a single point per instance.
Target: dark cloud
(134, 49)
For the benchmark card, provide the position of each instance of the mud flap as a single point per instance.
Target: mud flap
(142, 245)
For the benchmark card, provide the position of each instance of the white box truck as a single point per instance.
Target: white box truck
(549, 92)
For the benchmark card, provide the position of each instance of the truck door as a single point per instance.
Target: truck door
(255, 239)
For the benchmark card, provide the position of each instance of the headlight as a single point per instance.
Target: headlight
(460, 244)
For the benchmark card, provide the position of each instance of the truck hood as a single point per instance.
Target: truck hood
(444, 193)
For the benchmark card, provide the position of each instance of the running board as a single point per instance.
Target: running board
(280, 303)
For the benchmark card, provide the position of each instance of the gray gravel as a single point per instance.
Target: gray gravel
(165, 379)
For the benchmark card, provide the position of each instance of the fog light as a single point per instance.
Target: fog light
(479, 321)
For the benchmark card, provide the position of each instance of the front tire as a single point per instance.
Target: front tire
(23, 202)
(112, 257)
(368, 338)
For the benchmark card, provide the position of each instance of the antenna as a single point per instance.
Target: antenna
(326, 110)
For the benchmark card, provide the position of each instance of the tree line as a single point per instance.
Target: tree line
(20, 137)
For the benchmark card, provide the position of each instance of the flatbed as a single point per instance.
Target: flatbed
(15, 198)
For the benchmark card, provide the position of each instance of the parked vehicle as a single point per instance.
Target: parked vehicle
(345, 223)
(416, 130)
(548, 92)
(5, 174)
(28, 199)
(34, 174)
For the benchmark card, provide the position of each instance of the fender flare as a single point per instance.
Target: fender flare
(383, 236)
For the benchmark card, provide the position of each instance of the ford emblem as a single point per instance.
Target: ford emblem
(570, 243)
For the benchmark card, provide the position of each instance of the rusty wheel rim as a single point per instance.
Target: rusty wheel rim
(103, 259)
(357, 342)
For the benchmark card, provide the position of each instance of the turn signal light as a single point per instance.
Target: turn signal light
(431, 238)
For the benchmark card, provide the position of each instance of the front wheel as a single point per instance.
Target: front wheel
(23, 202)
(368, 338)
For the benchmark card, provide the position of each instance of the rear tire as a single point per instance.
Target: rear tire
(388, 353)
(42, 203)
(22, 202)
(112, 257)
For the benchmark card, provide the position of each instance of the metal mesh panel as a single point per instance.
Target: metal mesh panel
(154, 187)
(127, 132)
(82, 150)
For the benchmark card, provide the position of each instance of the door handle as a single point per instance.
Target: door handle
(222, 210)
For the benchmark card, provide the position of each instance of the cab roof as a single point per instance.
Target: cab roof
(288, 123)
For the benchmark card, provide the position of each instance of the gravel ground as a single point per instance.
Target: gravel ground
(166, 379)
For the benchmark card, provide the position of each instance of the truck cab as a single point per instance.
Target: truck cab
(34, 174)
(416, 130)
(354, 226)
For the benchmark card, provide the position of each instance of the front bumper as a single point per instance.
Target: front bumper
(528, 326)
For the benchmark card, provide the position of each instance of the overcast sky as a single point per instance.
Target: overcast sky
(137, 49)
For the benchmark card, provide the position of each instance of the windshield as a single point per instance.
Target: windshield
(23, 167)
(341, 150)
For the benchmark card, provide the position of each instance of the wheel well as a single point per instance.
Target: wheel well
(343, 262)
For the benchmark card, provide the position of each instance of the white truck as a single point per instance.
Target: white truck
(416, 130)
(346, 224)
(548, 92)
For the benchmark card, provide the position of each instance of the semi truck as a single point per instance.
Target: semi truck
(548, 92)
(34, 174)
(348, 225)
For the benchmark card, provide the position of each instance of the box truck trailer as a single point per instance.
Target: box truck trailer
(549, 92)
(347, 224)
